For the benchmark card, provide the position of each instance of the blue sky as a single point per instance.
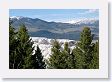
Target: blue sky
(57, 15)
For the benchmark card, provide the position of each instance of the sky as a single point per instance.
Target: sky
(57, 15)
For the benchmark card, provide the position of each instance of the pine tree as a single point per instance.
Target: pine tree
(66, 48)
(69, 57)
(61, 59)
(13, 43)
(11, 46)
(56, 60)
(24, 48)
(79, 58)
(95, 57)
(83, 50)
(38, 60)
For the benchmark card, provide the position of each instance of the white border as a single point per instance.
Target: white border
(102, 72)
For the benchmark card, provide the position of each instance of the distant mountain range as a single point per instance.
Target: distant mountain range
(40, 28)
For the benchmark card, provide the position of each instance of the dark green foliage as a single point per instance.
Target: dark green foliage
(84, 50)
(11, 46)
(55, 60)
(69, 57)
(86, 37)
(24, 48)
(38, 61)
(61, 59)
(58, 58)
(79, 58)
(21, 50)
(66, 48)
(95, 60)
(84, 56)
(13, 43)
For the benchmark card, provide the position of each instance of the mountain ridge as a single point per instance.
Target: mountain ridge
(54, 29)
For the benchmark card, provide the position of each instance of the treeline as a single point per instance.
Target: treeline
(84, 56)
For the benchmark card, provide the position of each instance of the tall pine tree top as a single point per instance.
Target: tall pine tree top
(84, 49)
(86, 37)
(38, 60)
(25, 47)
(23, 34)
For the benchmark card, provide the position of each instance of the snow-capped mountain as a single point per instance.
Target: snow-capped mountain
(83, 21)
(17, 17)
(87, 21)
(41, 28)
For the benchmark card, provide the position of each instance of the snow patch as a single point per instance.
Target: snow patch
(83, 21)
(45, 45)
(17, 17)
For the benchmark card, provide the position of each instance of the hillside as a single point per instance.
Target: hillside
(40, 28)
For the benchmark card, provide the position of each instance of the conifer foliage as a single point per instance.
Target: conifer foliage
(25, 47)
(38, 60)
(95, 57)
(21, 50)
(85, 54)
(56, 61)
(13, 43)
(69, 57)
(85, 50)
(60, 59)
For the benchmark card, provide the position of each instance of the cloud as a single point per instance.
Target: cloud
(90, 11)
